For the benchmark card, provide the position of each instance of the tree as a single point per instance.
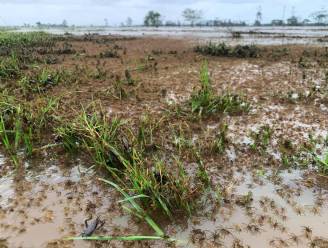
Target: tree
(64, 23)
(192, 15)
(258, 19)
(292, 21)
(153, 18)
(106, 22)
(129, 22)
(320, 17)
(277, 22)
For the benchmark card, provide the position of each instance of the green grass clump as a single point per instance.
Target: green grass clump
(9, 68)
(44, 79)
(111, 53)
(221, 140)
(261, 138)
(114, 146)
(206, 102)
(22, 123)
(223, 50)
(23, 40)
(322, 163)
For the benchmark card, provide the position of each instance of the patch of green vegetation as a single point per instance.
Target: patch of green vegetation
(9, 68)
(43, 80)
(28, 39)
(206, 102)
(261, 139)
(223, 50)
(221, 140)
(22, 123)
(322, 163)
(109, 54)
(113, 145)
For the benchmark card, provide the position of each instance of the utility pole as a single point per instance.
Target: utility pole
(258, 19)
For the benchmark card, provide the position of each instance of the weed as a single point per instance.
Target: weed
(221, 140)
(205, 102)
(322, 163)
(202, 173)
(109, 54)
(21, 123)
(9, 68)
(112, 145)
(43, 80)
(66, 48)
(29, 39)
(223, 50)
(128, 77)
(261, 139)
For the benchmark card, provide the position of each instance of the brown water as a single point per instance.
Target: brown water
(42, 209)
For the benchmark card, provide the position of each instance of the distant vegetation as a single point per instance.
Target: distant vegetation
(195, 17)
(223, 50)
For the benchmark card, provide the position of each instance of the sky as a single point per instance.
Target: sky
(86, 12)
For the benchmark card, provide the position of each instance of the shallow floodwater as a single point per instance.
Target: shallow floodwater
(249, 35)
(278, 214)
(41, 209)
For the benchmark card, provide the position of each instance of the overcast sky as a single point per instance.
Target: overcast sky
(84, 12)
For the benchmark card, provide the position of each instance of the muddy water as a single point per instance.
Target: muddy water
(278, 214)
(41, 209)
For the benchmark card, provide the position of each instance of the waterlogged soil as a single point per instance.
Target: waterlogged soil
(259, 201)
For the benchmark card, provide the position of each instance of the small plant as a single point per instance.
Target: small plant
(261, 139)
(109, 54)
(221, 140)
(43, 80)
(9, 68)
(202, 173)
(205, 102)
(66, 48)
(322, 162)
(128, 77)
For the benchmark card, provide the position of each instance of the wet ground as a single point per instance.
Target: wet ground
(258, 202)
(285, 209)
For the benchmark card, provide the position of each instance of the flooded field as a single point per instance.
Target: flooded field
(245, 35)
(169, 144)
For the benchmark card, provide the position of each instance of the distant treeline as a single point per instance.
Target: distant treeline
(194, 17)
